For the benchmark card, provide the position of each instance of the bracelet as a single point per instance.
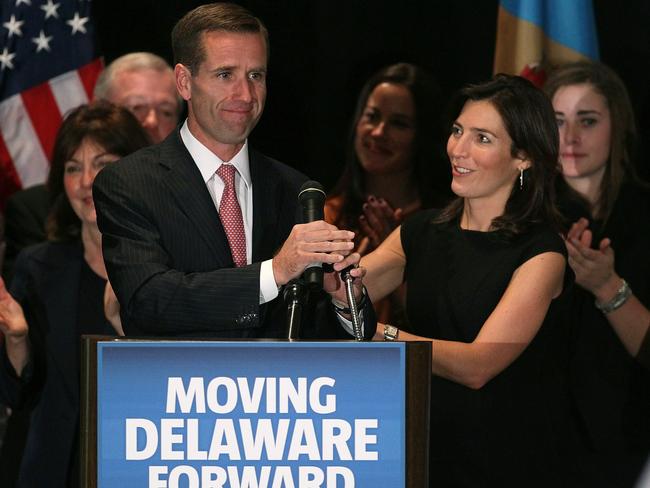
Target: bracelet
(342, 309)
(622, 294)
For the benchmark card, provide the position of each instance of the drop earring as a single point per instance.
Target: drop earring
(521, 178)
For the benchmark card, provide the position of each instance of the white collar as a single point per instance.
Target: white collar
(208, 162)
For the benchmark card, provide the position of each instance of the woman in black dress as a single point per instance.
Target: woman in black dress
(57, 295)
(608, 251)
(486, 276)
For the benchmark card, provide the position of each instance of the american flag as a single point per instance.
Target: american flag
(48, 66)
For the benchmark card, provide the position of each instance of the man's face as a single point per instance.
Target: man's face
(151, 96)
(226, 94)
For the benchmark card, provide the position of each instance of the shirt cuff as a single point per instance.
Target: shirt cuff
(347, 324)
(268, 286)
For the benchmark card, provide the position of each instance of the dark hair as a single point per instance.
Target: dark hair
(113, 128)
(529, 119)
(430, 172)
(620, 165)
(187, 34)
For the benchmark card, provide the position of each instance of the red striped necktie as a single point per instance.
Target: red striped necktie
(230, 214)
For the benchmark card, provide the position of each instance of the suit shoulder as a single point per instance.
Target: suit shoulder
(148, 164)
(140, 161)
(51, 251)
(289, 174)
(30, 193)
(137, 170)
(35, 196)
(35, 262)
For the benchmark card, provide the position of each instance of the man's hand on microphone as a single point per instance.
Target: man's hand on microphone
(315, 242)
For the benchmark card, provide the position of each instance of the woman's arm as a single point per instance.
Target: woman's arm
(594, 270)
(631, 322)
(385, 267)
(509, 329)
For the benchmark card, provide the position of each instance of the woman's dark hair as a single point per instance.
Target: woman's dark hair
(620, 165)
(430, 173)
(112, 128)
(529, 119)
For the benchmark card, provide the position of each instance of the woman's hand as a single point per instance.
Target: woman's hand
(12, 318)
(112, 309)
(334, 286)
(379, 332)
(15, 328)
(594, 268)
(379, 219)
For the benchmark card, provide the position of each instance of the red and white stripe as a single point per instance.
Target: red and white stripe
(29, 122)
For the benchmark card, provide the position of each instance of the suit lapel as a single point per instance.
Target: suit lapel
(188, 188)
(265, 208)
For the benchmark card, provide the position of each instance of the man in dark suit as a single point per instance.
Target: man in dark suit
(190, 250)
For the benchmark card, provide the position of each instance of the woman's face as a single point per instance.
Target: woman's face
(584, 123)
(386, 130)
(78, 175)
(479, 148)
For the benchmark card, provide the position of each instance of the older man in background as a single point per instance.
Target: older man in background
(145, 84)
(142, 82)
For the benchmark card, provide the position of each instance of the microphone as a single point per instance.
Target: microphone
(312, 200)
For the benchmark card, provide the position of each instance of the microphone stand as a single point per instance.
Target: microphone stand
(294, 297)
(352, 302)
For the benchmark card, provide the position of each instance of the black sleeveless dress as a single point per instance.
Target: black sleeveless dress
(515, 430)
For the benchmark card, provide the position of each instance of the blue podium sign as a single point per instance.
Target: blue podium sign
(250, 414)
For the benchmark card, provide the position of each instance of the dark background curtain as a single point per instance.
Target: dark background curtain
(323, 50)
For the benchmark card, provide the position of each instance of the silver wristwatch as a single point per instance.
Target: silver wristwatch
(390, 332)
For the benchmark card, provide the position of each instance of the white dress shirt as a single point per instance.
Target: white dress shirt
(207, 162)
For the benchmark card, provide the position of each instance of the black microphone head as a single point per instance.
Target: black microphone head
(312, 191)
(312, 200)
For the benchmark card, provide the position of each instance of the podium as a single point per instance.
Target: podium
(260, 413)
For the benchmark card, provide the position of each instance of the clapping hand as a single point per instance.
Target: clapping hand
(594, 268)
(379, 219)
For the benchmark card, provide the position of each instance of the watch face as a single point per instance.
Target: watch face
(390, 332)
